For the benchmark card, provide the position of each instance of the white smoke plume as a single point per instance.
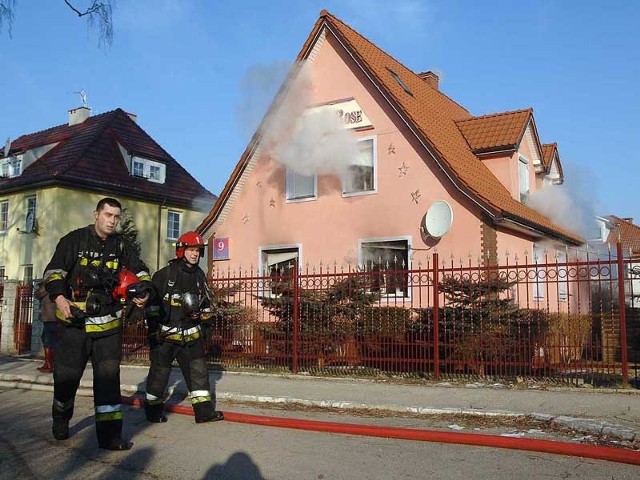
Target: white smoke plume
(307, 141)
(571, 205)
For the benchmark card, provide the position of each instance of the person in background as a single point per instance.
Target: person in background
(174, 319)
(81, 278)
(47, 315)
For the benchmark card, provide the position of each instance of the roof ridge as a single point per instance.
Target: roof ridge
(62, 125)
(105, 123)
(327, 14)
(497, 114)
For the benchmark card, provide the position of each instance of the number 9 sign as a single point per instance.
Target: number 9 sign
(221, 248)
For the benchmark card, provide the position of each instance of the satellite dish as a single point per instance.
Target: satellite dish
(438, 219)
(29, 224)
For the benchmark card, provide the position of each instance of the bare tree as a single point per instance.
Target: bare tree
(99, 15)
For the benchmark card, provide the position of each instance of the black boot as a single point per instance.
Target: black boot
(204, 412)
(109, 434)
(61, 414)
(154, 412)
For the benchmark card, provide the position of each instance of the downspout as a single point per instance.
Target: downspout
(160, 206)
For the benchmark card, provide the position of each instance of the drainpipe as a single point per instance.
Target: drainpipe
(160, 207)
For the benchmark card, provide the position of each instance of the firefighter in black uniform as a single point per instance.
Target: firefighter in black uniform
(80, 278)
(175, 332)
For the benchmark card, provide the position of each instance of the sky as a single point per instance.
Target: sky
(200, 74)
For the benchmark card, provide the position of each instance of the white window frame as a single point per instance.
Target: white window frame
(292, 195)
(563, 280)
(524, 183)
(286, 253)
(4, 217)
(170, 227)
(374, 187)
(538, 283)
(148, 167)
(402, 293)
(11, 166)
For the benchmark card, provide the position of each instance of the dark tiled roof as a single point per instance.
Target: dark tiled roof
(435, 118)
(87, 156)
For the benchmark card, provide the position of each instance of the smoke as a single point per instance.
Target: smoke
(308, 141)
(571, 205)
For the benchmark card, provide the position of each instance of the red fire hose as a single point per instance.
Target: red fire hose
(611, 454)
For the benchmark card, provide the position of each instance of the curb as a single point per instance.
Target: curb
(582, 425)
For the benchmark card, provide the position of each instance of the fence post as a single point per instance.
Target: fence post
(436, 317)
(296, 315)
(623, 317)
(7, 344)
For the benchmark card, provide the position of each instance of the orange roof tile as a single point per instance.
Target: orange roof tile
(500, 131)
(628, 232)
(434, 119)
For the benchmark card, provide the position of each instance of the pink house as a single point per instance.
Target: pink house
(361, 160)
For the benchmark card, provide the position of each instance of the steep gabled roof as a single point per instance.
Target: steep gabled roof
(87, 155)
(496, 132)
(433, 118)
(627, 232)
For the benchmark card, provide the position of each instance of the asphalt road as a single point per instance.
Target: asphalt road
(225, 450)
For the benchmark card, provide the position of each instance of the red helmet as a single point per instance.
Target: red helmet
(189, 239)
(126, 278)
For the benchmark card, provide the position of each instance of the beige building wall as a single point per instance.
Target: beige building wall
(60, 210)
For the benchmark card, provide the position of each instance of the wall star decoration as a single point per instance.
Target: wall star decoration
(272, 202)
(402, 169)
(415, 196)
(259, 184)
(391, 150)
(245, 219)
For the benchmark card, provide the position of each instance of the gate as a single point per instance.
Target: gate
(22, 320)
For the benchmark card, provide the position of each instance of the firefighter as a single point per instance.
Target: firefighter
(175, 331)
(80, 279)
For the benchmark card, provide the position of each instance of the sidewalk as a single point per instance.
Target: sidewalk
(615, 413)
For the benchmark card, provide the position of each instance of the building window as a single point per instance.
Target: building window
(563, 277)
(145, 168)
(300, 187)
(30, 219)
(388, 264)
(173, 225)
(540, 274)
(523, 178)
(278, 264)
(361, 174)
(27, 273)
(4, 216)
(3, 276)
(11, 167)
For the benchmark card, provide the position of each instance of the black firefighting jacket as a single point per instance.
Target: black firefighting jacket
(165, 315)
(84, 269)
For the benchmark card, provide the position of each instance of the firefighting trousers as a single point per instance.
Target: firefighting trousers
(193, 364)
(75, 348)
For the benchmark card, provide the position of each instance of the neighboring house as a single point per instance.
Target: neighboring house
(611, 230)
(52, 180)
(427, 173)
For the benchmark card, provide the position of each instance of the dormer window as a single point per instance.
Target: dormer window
(145, 168)
(11, 166)
(523, 178)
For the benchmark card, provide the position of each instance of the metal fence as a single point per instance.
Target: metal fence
(537, 318)
(22, 321)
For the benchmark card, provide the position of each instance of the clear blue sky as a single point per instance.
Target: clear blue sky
(192, 70)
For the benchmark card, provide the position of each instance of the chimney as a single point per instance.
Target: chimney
(431, 78)
(78, 115)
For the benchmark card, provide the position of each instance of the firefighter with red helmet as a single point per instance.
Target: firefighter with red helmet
(175, 331)
(80, 279)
